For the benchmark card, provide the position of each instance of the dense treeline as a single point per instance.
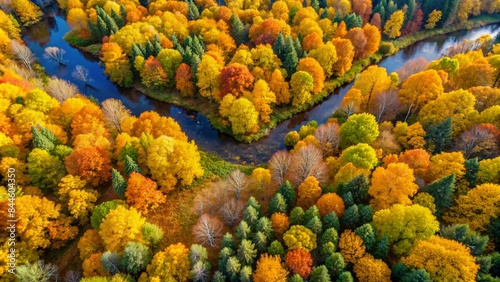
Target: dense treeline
(249, 57)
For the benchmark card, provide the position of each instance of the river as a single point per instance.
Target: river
(51, 30)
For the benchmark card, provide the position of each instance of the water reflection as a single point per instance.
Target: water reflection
(51, 30)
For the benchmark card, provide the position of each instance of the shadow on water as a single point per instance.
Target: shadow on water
(51, 30)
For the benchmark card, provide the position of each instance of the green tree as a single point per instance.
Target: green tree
(119, 183)
(101, 210)
(442, 190)
(135, 257)
(359, 128)
(320, 274)
(278, 204)
(439, 136)
(246, 252)
(44, 169)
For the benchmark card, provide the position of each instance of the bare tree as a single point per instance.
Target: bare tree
(114, 114)
(308, 161)
(82, 74)
(477, 142)
(412, 67)
(385, 103)
(237, 182)
(72, 276)
(60, 89)
(37, 271)
(279, 165)
(208, 231)
(328, 136)
(24, 54)
(232, 211)
(56, 54)
(461, 48)
(200, 272)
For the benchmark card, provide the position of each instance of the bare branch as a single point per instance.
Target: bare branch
(114, 114)
(24, 54)
(82, 74)
(412, 67)
(279, 164)
(208, 231)
(237, 182)
(60, 89)
(308, 161)
(54, 53)
(328, 136)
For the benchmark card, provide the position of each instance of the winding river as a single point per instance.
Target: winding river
(51, 30)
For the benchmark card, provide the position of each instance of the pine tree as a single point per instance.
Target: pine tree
(315, 5)
(260, 240)
(224, 255)
(238, 31)
(193, 12)
(178, 46)
(118, 19)
(288, 192)
(331, 221)
(103, 28)
(136, 51)
(324, 14)
(278, 204)
(366, 233)
(276, 248)
(440, 135)
(279, 47)
(233, 267)
(350, 218)
(348, 199)
(338, 18)
(352, 20)
(471, 169)
(198, 45)
(95, 31)
(156, 45)
(320, 274)
(49, 135)
(251, 216)
(442, 191)
(358, 187)
(119, 183)
(243, 231)
(254, 203)
(246, 274)
(310, 213)
(296, 216)
(228, 241)
(40, 141)
(315, 225)
(265, 226)
(111, 26)
(381, 248)
(144, 3)
(246, 252)
(298, 48)
(335, 263)
(149, 50)
(218, 277)
(322, 4)
(131, 166)
(290, 63)
(365, 213)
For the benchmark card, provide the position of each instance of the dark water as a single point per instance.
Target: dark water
(50, 32)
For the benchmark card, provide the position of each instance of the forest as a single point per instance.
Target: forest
(402, 183)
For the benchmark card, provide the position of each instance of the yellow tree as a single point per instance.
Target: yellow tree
(81, 203)
(373, 38)
(121, 226)
(404, 226)
(433, 19)
(142, 193)
(300, 237)
(208, 77)
(444, 260)
(280, 223)
(445, 164)
(351, 246)
(326, 56)
(279, 87)
(392, 27)
(301, 86)
(308, 192)
(419, 89)
(77, 19)
(477, 207)
(369, 269)
(263, 98)
(89, 243)
(371, 82)
(269, 268)
(27, 12)
(116, 64)
(243, 117)
(171, 264)
(330, 202)
(311, 66)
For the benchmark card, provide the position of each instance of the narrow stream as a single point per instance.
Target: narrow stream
(51, 30)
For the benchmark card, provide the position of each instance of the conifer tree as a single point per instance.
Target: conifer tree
(288, 192)
(260, 240)
(279, 47)
(243, 231)
(265, 226)
(228, 241)
(233, 267)
(131, 166)
(238, 31)
(350, 218)
(251, 216)
(315, 225)
(442, 191)
(40, 141)
(193, 12)
(278, 204)
(331, 221)
(440, 135)
(471, 169)
(358, 187)
(246, 252)
(296, 216)
(119, 183)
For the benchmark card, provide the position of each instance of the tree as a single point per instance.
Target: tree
(300, 262)
(477, 208)
(477, 141)
(351, 246)
(279, 164)
(358, 40)
(116, 64)
(363, 9)
(22, 52)
(437, 254)
(60, 89)
(359, 128)
(27, 12)
(368, 268)
(142, 194)
(326, 56)
(392, 185)
(361, 156)
(120, 226)
(269, 268)
(442, 191)
(184, 80)
(308, 192)
(90, 163)
(445, 164)
(301, 86)
(300, 237)
(77, 19)
(307, 161)
(392, 27)
(163, 152)
(101, 210)
(235, 79)
(135, 257)
(81, 202)
(56, 54)
(263, 98)
(312, 67)
(419, 89)
(153, 74)
(38, 271)
(404, 226)
(45, 170)
(111, 262)
(89, 243)
(280, 223)
(279, 87)
(371, 82)
(278, 204)
(243, 117)
(208, 231)
(330, 202)
(373, 38)
(171, 264)
(433, 19)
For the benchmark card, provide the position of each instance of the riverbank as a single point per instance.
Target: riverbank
(280, 114)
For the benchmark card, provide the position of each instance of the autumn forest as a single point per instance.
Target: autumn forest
(399, 182)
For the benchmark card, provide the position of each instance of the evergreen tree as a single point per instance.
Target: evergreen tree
(246, 252)
(238, 31)
(260, 240)
(131, 166)
(288, 192)
(278, 204)
(178, 47)
(331, 221)
(149, 50)
(224, 255)
(156, 45)
(310, 213)
(298, 48)
(111, 26)
(120, 22)
(197, 45)
(350, 218)
(193, 12)
(265, 226)
(322, 4)
(144, 3)
(345, 276)
(442, 191)
(494, 233)
(366, 233)
(320, 274)
(119, 183)
(246, 274)
(218, 277)
(233, 267)
(297, 216)
(358, 187)
(324, 14)
(136, 51)
(253, 203)
(381, 248)
(197, 253)
(276, 248)
(243, 231)
(95, 31)
(228, 241)
(41, 141)
(352, 20)
(315, 225)
(279, 47)
(330, 236)
(111, 262)
(49, 135)
(471, 169)
(348, 199)
(335, 263)
(200, 271)
(135, 258)
(338, 18)
(462, 233)
(365, 213)
(440, 135)
(315, 5)
(296, 278)
(251, 216)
